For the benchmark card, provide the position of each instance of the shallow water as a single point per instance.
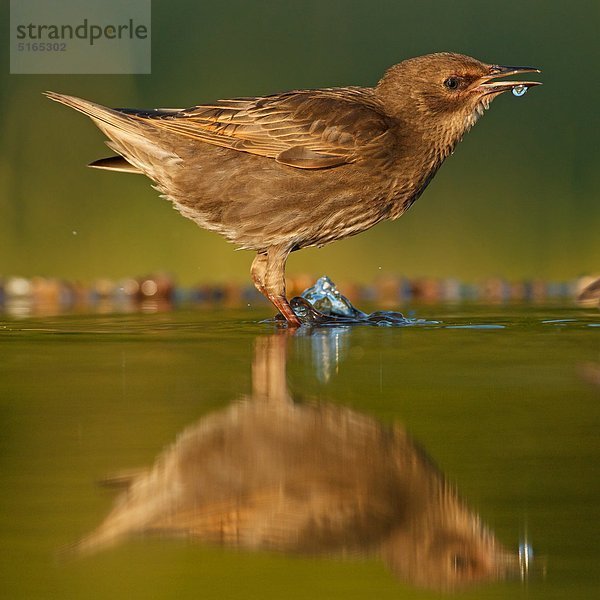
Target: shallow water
(504, 399)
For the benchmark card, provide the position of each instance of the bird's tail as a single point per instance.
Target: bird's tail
(142, 503)
(134, 138)
(103, 116)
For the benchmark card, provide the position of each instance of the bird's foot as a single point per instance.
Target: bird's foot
(286, 315)
(310, 316)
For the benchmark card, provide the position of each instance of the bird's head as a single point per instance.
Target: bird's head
(445, 93)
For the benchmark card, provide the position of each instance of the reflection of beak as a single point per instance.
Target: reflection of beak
(522, 566)
(485, 85)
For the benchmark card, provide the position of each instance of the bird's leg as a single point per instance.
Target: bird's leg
(258, 270)
(268, 273)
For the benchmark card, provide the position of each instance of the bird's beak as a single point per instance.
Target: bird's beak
(485, 85)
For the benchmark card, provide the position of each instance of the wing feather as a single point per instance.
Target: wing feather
(308, 129)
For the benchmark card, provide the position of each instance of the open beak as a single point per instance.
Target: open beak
(485, 85)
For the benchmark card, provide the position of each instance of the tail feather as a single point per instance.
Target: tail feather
(114, 163)
(131, 135)
(101, 114)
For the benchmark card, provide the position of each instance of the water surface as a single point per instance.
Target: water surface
(504, 399)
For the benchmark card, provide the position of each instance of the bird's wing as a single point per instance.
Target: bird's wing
(311, 129)
(311, 521)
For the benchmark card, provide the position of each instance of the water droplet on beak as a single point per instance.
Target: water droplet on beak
(519, 90)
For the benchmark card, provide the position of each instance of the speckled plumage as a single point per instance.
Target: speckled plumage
(279, 173)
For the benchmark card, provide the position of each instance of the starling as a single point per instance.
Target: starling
(278, 173)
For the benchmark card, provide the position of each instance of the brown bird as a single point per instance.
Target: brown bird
(303, 168)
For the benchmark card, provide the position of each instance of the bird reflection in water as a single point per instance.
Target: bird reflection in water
(270, 473)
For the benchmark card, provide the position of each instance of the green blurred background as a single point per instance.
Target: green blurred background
(518, 199)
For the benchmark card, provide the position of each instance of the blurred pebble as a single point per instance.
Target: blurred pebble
(21, 296)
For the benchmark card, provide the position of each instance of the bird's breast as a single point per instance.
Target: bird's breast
(256, 202)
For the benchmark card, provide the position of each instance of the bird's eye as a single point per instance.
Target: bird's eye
(451, 83)
(460, 563)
